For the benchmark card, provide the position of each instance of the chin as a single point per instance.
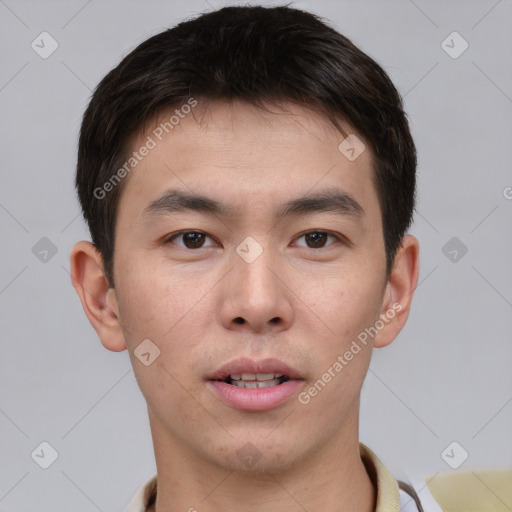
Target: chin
(251, 456)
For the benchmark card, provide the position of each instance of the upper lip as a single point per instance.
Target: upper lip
(245, 365)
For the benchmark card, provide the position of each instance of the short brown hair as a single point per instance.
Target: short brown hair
(260, 55)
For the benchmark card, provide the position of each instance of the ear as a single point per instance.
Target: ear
(399, 291)
(98, 300)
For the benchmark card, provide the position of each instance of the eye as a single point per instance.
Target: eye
(317, 239)
(191, 239)
(196, 239)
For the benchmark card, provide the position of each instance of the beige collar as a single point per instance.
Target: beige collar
(388, 498)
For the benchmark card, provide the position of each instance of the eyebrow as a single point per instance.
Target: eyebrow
(333, 200)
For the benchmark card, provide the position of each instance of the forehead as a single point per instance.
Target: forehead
(239, 154)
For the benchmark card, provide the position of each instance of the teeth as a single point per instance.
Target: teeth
(264, 376)
(255, 383)
(249, 377)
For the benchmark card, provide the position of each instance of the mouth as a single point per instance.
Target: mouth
(255, 380)
(248, 385)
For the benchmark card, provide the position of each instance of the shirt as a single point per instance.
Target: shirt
(389, 497)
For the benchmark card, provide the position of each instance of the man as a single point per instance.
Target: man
(248, 178)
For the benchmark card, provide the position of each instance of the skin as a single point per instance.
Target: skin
(186, 300)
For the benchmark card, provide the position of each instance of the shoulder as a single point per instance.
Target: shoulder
(474, 490)
(468, 491)
(145, 497)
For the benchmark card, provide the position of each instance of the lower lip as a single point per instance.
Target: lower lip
(259, 399)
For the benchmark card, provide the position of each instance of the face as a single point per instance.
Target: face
(235, 285)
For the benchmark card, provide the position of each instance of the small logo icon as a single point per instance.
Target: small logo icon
(249, 455)
(44, 250)
(454, 249)
(44, 455)
(44, 45)
(507, 192)
(249, 250)
(454, 455)
(146, 352)
(351, 147)
(454, 45)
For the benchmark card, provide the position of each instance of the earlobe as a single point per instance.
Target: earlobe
(399, 291)
(98, 300)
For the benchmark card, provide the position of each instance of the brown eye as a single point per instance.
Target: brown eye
(193, 240)
(190, 239)
(317, 239)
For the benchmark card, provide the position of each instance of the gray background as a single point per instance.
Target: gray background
(446, 377)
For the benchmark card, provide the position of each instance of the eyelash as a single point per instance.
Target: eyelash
(172, 237)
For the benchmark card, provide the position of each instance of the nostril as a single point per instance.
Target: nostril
(239, 320)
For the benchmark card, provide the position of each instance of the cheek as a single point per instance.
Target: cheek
(346, 306)
(168, 308)
(332, 397)
(163, 310)
(150, 301)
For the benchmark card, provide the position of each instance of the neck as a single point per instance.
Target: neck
(332, 479)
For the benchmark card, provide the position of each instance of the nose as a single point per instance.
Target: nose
(256, 296)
